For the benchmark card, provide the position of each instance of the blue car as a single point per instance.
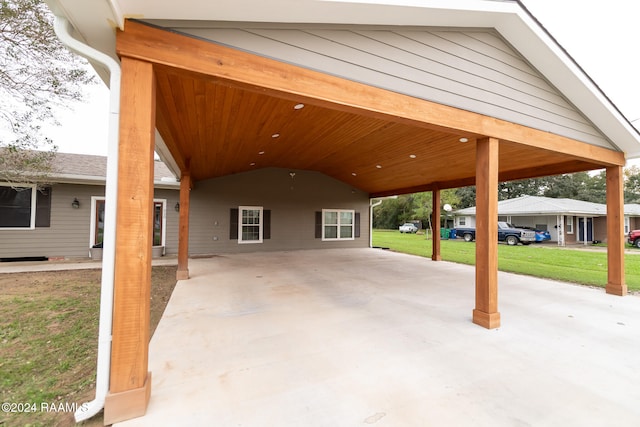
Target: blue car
(541, 235)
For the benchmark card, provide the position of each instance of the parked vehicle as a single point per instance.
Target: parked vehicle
(508, 233)
(408, 227)
(541, 235)
(634, 238)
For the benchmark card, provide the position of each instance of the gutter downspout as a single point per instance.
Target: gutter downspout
(63, 31)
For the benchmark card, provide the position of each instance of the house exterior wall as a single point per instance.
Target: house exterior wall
(68, 235)
(475, 70)
(549, 222)
(292, 200)
(600, 228)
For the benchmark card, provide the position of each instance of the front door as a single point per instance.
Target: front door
(97, 221)
(581, 229)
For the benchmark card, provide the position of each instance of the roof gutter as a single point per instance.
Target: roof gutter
(63, 31)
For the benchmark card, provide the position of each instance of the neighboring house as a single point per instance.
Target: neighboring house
(631, 217)
(565, 219)
(66, 218)
(288, 116)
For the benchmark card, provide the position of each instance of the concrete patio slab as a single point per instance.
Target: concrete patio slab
(370, 337)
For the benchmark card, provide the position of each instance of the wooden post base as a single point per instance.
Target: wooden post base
(436, 258)
(620, 290)
(486, 320)
(127, 404)
(182, 275)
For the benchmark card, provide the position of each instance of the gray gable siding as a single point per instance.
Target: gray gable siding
(474, 70)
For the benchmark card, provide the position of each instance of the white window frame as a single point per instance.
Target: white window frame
(338, 225)
(260, 224)
(627, 226)
(32, 220)
(569, 228)
(462, 221)
(92, 229)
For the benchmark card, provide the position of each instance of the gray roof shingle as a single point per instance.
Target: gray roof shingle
(91, 166)
(536, 205)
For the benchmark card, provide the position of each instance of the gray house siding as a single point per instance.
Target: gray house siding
(292, 201)
(474, 70)
(68, 235)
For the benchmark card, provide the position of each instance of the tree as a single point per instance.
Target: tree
(37, 75)
(410, 207)
(632, 184)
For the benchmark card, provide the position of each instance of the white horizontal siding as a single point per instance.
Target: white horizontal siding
(474, 70)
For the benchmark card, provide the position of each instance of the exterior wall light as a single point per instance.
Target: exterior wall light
(75, 204)
(177, 207)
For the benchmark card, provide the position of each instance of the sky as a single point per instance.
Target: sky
(603, 37)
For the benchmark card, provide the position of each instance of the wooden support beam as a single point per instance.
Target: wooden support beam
(130, 381)
(435, 255)
(183, 232)
(615, 232)
(486, 312)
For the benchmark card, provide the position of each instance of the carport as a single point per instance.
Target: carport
(508, 103)
(359, 337)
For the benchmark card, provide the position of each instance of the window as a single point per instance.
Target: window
(627, 226)
(569, 225)
(250, 224)
(338, 224)
(462, 221)
(24, 207)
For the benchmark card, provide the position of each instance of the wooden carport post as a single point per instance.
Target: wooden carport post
(435, 253)
(130, 382)
(486, 312)
(183, 233)
(615, 232)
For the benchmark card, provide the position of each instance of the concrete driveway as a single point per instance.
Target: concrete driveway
(362, 337)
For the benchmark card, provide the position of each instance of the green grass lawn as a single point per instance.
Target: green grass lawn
(570, 265)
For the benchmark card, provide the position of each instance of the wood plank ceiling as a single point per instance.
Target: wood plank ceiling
(226, 129)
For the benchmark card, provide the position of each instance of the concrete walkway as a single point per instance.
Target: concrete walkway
(32, 266)
(371, 337)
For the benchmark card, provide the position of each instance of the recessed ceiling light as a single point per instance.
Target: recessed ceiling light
(275, 135)
(379, 166)
(354, 174)
(261, 152)
(298, 106)
(413, 156)
(252, 164)
(464, 139)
